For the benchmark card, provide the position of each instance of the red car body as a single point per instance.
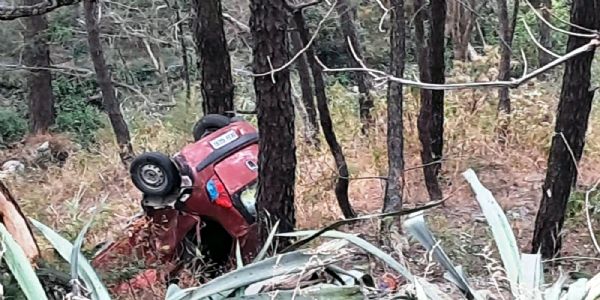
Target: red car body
(225, 161)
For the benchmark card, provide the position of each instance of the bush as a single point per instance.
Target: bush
(75, 115)
(13, 126)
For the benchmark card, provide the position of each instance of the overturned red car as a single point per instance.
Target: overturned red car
(200, 200)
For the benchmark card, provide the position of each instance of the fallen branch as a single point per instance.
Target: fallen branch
(15, 222)
(22, 11)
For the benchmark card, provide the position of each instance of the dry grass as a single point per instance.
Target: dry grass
(65, 198)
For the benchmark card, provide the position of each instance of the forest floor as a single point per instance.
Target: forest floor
(65, 197)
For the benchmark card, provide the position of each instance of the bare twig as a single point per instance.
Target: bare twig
(539, 16)
(386, 11)
(299, 53)
(381, 76)
(535, 41)
(236, 22)
(587, 215)
(567, 22)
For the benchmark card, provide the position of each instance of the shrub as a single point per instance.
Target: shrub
(75, 115)
(13, 126)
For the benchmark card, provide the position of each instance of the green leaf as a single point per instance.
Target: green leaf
(578, 290)
(370, 248)
(283, 264)
(555, 291)
(325, 292)
(65, 249)
(417, 227)
(265, 247)
(20, 267)
(501, 230)
(533, 275)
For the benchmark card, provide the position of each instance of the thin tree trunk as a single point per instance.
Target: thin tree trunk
(214, 61)
(506, 32)
(437, 68)
(365, 100)
(103, 76)
(571, 125)
(277, 162)
(395, 137)
(460, 21)
(184, 53)
(308, 99)
(425, 120)
(39, 81)
(545, 33)
(342, 181)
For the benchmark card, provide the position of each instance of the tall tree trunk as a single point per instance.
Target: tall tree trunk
(39, 81)
(308, 99)
(342, 181)
(425, 120)
(545, 33)
(214, 61)
(460, 21)
(437, 68)
(506, 29)
(277, 162)
(395, 137)
(365, 100)
(571, 125)
(184, 52)
(103, 76)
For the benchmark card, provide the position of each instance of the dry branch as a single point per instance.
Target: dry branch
(21, 11)
(15, 222)
(383, 77)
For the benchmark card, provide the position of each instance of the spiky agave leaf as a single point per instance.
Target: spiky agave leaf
(283, 264)
(20, 267)
(503, 235)
(65, 249)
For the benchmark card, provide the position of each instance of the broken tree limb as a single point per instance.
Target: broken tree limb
(17, 225)
(22, 11)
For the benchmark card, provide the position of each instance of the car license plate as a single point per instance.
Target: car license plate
(224, 139)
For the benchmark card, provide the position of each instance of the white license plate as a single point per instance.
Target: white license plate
(224, 139)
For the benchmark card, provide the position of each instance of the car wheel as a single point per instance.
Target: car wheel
(208, 124)
(154, 174)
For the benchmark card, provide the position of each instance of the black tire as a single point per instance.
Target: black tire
(208, 124)
(154, 174)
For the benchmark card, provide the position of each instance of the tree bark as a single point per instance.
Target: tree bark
(39, 81)
(571, 125)
(308, 99)
(460, 21)
(395, 127)
(103, 76)
(506, 31)
(342, 181)
(545, 33)
(365, 101)
(425, 123)
(277, 162)
(214, 61)
(437, 67)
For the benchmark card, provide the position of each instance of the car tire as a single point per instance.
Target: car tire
(208, 124)
(154, 174)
